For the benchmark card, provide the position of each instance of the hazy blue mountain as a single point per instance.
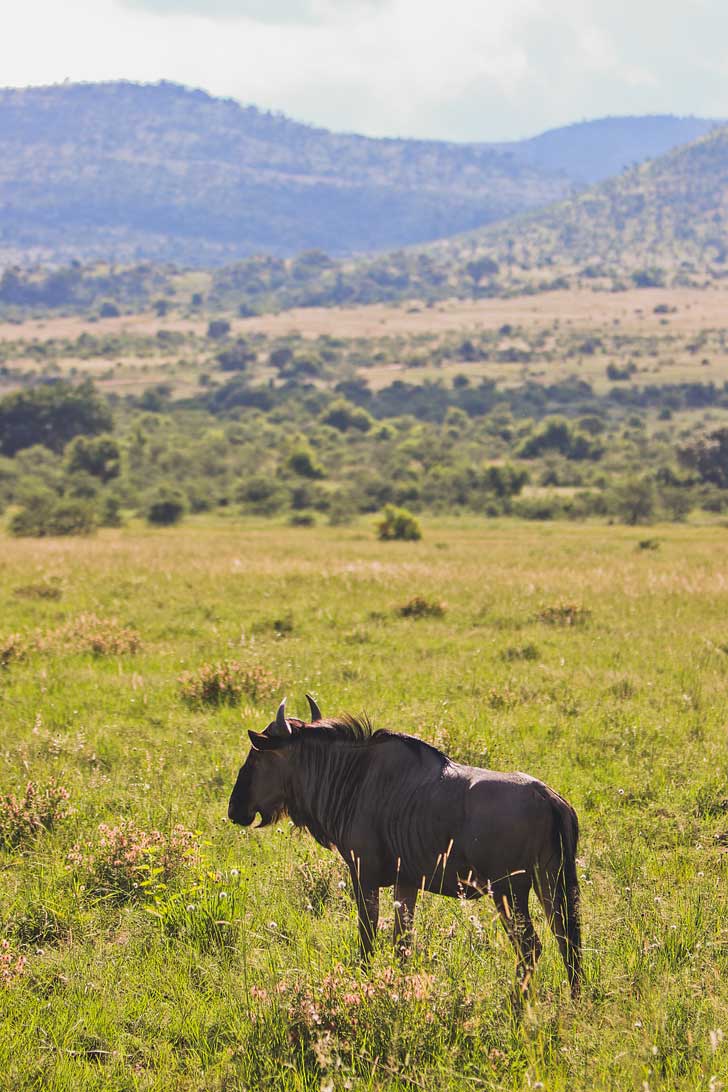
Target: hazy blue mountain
(591, 151)
(161, 172)
(132, 172)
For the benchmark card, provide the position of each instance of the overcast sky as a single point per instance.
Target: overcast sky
(454, 69)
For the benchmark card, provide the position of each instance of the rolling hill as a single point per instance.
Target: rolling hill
(666, 219)
(128, 172)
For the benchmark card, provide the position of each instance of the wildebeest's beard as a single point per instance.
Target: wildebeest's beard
(268, 817)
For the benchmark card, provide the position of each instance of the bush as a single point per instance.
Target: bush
(263, 496)
(398, 523)
(420, 607)
(110, 515)
(633, 500)
(89, 633)
(38, 809)
(342, 415)
(167, 508)
(218, 328)
(44, 515)
(564, 614)
(13, 647)
(127, 862)
(51, 415)
(302, 461)
(225, 683)
(236, 358)
(99, 456)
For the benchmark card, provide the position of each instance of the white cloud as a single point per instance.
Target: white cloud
(260, 11)
(465, 69)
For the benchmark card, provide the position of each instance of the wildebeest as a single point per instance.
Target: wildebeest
(402, 814)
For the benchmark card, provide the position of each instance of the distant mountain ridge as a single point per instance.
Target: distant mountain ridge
(128, 172)
(588, 152)
(669, 214)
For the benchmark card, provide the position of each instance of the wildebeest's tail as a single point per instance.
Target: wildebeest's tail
(563, 888)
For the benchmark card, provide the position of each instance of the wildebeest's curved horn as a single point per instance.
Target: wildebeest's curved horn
(281, 727)
(315, 711)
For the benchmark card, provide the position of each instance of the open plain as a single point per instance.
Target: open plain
(150, 945)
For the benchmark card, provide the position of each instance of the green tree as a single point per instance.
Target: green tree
(633, 500)
(51, 415)
(99, 456)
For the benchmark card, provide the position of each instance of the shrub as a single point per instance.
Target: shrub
(633, 500)
(263, 496)
(110, 514)
(45, 516)
(218, 328)
(127, 862)
(89, 633)
(303, 462)
(22, 818)
(343, 415)
(13, 647)
(398, 523)
(420, 607)
(520, 652)
(236, 358)
(99, 456)
(167, 508)
(564, 614)
(43, 590)
(225, 683)
(51, 415)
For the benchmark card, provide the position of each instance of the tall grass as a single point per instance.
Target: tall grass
(147, 944)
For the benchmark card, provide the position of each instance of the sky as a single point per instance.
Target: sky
(443, 69)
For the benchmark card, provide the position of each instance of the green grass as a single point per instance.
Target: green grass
(235, 966)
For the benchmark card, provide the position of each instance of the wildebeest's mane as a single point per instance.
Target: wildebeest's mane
(359, 731)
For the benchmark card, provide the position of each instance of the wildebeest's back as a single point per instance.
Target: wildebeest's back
(509, 822)
(423, 818)
(406, 809)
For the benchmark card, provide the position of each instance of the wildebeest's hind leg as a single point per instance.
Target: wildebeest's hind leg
(405, 900)
(562, 914)
(511, 900)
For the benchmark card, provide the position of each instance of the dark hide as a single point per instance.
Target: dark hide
(402, 813)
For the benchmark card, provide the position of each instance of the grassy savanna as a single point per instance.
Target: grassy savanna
(673, 335)
(150, 945)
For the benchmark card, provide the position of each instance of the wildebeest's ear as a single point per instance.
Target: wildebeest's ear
(262, 742)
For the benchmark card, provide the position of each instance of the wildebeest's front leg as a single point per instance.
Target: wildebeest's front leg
(405, 900)
(367, 905)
